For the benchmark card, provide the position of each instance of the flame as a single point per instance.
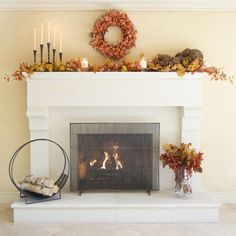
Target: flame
(118, 162)
(93, 162)
(107, 157)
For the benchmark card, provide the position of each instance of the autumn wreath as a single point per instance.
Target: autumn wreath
(109, 19)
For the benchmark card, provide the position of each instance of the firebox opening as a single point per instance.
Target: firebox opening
(115, 161)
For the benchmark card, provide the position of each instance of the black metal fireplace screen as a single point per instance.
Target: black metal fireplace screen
(118, 156)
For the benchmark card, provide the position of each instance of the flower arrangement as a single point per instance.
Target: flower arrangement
(189, 60)
(183, 160)
(113, 18)
(183, 156)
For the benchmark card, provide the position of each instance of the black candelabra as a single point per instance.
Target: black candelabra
(60, 56)
(41, 53)
(35, 55)
(49, 54)
(48, 46)
(54, 55)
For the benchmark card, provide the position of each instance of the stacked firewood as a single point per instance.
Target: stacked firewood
(41, 185)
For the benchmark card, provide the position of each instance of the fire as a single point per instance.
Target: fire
(107, 156)
(93, 162)
(117, 160)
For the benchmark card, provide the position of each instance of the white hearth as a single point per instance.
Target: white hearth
(119, 208)
(56, 99)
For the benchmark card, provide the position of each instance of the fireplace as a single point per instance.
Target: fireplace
(127, 111)
(114, 156)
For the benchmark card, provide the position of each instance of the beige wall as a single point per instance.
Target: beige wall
(158, 32)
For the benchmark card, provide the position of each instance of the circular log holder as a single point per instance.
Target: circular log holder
(31, 197)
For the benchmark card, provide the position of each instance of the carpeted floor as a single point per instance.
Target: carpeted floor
(226, 227)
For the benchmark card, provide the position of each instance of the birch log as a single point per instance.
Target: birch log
(41, 185)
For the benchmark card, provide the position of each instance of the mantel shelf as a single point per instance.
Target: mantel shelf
(112, 75)
(114, 89)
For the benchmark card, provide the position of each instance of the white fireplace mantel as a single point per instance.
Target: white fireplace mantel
(56, 99)
(110, 90)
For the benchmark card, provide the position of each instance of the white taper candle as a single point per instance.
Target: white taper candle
(34, 38)
(41, 42)
(49, 32)
(54, 38)
(60, 42)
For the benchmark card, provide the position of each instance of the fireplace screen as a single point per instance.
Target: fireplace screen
(115, 161)
(114, 156)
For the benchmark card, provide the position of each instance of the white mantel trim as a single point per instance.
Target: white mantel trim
(113, 75)
(153, 5)
(163, 89)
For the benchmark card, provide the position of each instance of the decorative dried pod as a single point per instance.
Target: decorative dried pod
(163, 59)
(190, 55)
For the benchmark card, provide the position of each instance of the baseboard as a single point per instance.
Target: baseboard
(8, 197)
(224, 197)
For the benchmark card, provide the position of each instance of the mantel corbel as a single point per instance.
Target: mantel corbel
(39, 128)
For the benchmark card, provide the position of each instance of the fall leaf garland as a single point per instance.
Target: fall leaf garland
(189, 60)
(113, 18)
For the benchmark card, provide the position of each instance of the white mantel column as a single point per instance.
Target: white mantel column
(39, 151)
(190, 133)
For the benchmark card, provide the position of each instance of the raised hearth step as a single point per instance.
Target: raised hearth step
(133, 207)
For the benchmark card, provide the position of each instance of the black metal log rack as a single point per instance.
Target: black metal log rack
(31, 197)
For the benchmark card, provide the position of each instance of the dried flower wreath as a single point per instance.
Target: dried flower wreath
(113, 18)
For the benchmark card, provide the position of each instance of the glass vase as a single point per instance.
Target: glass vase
(183, 187)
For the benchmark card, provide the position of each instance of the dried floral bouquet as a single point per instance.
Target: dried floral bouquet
(183, 160)
(183, 156)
